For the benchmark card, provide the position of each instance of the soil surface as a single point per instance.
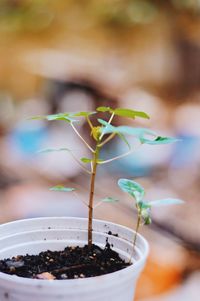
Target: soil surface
(70, 263)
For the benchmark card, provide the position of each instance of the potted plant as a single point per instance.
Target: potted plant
(96, 260)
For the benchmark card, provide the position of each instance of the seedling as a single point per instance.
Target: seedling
(101, 135)
(143, 207)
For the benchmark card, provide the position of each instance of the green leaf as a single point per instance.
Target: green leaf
(132, 188)
(82, 114)
(141, 133)
(103, 109)
(110, 200)
(37, 117)
(145, 213)
(144, 210)
(123, 138)
(61, 116)
(62, 188)
(105, 123)
(130, 113)
(164, 202)
(86, 160)
(158, 140)
(126, 130)
(144, 205)
(50, 150)
(124, 112)
(137, 132)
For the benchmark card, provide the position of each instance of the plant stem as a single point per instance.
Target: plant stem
(119, 157)
(107, 139)
(76, 195)
(136, 232)
(137, 228)
(78, 162)
(116, 158)
(89, 122)
(91, 198)
(109, 122)
(77, 133)
(98, 204)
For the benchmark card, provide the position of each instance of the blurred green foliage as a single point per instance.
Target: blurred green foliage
(25, 15)
(37, 15)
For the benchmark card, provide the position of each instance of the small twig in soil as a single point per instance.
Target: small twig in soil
(66, 269)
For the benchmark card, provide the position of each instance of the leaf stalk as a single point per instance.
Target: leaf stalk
(110, 137)
(78, 134)
(109, 122)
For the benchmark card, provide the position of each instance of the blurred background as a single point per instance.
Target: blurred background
(65, 55)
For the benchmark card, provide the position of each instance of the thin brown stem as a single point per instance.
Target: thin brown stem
(91, 197)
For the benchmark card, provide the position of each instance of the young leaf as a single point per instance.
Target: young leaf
(50, 150)
(143, 205)
(130, 113)
(125, 130)
(110, 200)
(123, 112)
(132, 188)
(145, 213)
(140, 133)
(86, 160)
(107, 128)
(61, 188)
(96, 132)
(137, 132)
(123, 138)
(37, 117)
(106, 124)
(144, 210)
(103, 109)
(165, 202)
(61, 116)
(158, 140)
(82, 114)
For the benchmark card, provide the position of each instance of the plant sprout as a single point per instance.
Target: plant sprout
(143, 207)
(101, 135)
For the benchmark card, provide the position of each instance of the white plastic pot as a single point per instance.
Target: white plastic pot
(39, 234)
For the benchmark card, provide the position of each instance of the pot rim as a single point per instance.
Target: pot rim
(37, 282)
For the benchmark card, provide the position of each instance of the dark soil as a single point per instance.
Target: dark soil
(71, 263)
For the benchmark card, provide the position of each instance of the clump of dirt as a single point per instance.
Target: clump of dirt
(70, 263)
